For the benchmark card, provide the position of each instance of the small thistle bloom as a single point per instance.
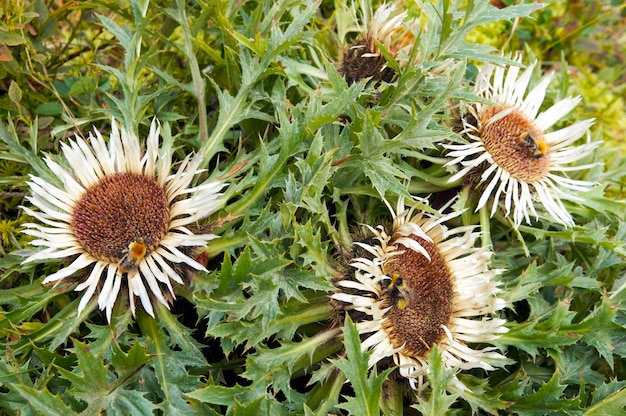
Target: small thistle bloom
(122, 216)
(364, 58)
(510, 147)
(424, 285)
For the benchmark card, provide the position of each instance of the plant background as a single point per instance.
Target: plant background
(253, 86)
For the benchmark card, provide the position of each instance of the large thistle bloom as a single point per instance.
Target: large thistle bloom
(422, 285)
(364, 58)
(512, 150)
(122, 216)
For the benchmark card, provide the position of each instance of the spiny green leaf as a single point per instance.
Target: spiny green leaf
(250, 408)
(597, 329)
(367, 389)
(608, 399)
(439, 377)
(383, 175)
(547, 399)
(43, 402)
(281, 364)
(171, 367)
(542, 332)
(576, 364)
(128, 363)
(590, 234)
(293, 315)
(91, 373)
(315, 172)
(21, 154)
(480, 395)
(25, 300)
(15, 377)
(533, 277)
(612, 405)
(57, 330)
(92, 383)
(229, 396)
(315, 256)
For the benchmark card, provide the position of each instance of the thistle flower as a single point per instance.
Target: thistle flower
(122, 216)
(424, 285)
(364, 59)
(510, 147)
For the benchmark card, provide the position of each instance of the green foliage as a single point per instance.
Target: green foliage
(254, 88)
(439, 379)
(367, 388)
(91, 381)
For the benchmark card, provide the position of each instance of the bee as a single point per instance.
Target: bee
(131, 256)
(400, 295)
(536, 145)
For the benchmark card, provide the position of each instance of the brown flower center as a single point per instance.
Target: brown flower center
(119, 210)
(362, 61)
(420, 295)
(515, 144)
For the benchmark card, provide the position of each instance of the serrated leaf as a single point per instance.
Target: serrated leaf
(43, 402)
(25, 301)
(128, 363)
(172, 366)
(315, 257)
(251, 408)
(598, 328)
(281, 363)
(59, 328)
(541, 332)
(480, 395)
(439, 379)
(92, 383)
(367, 389)
(607, 390)
(576, 366)
(91, 372)
(220, 395)
(232, 397)
(548, 398)
(315, 172)
(21, 154)
(131, 402)
(614, 405)
(123, 34)
(383, 175)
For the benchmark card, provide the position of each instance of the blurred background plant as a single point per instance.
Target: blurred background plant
(253, 86)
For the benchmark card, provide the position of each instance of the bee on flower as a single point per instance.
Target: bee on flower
(121, 216)
(512, 150)
(423, 284)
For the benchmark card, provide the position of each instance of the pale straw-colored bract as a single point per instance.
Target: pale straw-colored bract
(89, 163)
(391, 29)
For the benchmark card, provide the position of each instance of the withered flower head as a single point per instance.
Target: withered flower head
(364, 59)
